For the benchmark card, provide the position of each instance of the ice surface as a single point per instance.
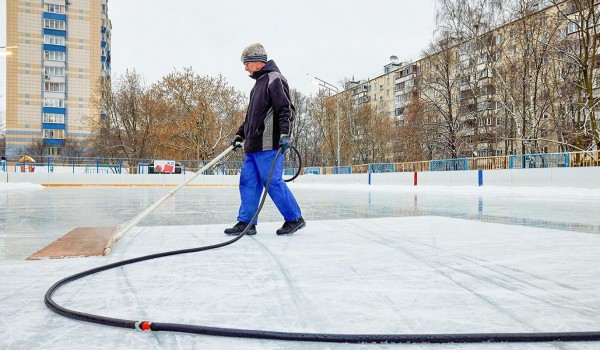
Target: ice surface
(371, 260)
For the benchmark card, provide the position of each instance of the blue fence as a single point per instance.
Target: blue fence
(230, 167)
(449, 164)
(342, 170)
(382, 168)
(289, 167)
(541, 160)
(312, 170)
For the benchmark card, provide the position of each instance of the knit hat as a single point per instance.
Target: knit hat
(254, 53)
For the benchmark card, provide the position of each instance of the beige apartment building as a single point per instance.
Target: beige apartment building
(504, 91)
(63, 53)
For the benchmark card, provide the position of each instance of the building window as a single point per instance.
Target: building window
(561, 33)
(54, 87)
(53, 134)
(54, 40)
(482, 74)
(53, 151)
(512, 51)
(497, 40)
(571, 27)
(486, 105)
(53, 118)
(54, 102)
(54, 24)
(54, 8)
(465, 63)
(54, 55)
(54, 71)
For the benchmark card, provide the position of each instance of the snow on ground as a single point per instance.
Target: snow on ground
(19, 186)
(423, 274)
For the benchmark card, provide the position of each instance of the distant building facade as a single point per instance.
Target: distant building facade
(63, 53)
(465, 85)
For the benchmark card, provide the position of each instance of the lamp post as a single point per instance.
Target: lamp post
(4, 50)
(322, 83)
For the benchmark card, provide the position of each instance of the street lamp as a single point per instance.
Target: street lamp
(6, 52)
(322, 83)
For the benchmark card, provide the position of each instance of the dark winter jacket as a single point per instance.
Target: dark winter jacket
(270, 111)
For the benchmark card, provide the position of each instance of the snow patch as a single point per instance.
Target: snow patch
(20, 186)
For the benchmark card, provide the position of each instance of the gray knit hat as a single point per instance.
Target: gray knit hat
(254, 53)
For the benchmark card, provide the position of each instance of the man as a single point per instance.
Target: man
(266, 129)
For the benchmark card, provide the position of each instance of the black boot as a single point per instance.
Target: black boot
(238, 228)
(290, 227)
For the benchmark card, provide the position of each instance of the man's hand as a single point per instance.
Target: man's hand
(237, 142)
(284, 143)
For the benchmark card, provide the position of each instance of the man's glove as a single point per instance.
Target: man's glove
(237, 142)
(284, 143)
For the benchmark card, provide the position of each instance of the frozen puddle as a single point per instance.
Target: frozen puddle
(404, 275)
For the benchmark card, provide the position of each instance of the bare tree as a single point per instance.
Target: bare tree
(2, 145)
(471, 23)
(438, 89)
(124, 128)
(202, 114)
(34, 149)
(580, 49)
(2, 123)
(323, 111)
(526, 78)
(372, 136)
(305, 133)
(73, 148)
(412, 137)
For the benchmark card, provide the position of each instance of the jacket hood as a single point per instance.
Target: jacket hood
(268, 68)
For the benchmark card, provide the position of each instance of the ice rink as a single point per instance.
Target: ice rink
(372, 259)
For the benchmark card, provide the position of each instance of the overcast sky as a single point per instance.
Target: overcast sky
(331, 39)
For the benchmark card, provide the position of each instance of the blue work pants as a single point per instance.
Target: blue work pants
(254, 176)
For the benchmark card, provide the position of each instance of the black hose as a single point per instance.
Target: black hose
(290, 336)
(299, 165)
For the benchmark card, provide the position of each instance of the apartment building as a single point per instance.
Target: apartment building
(378, 92)
(481, 90)
(63, 53)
